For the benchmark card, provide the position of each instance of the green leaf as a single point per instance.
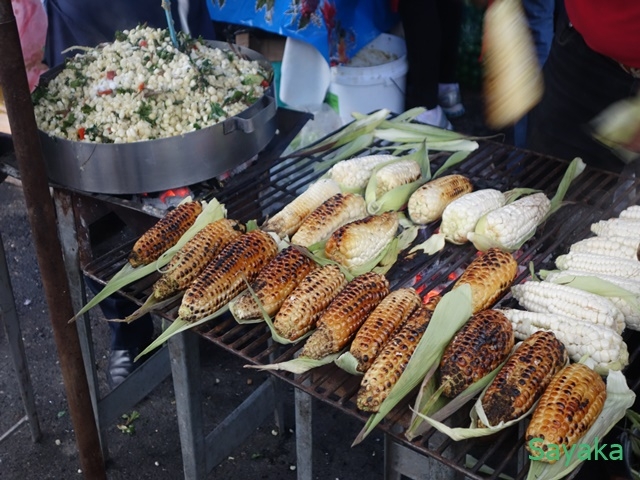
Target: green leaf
(575, 168)
(452, 161)
(348, 363)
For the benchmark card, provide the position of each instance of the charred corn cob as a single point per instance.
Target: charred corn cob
(620, 247)
(224, 277)
(428, 202)
(460, 217)
(288, 220)
(547, 297)
(394, 309)
(621, 227)
(345, 314)
(273, 284)
(512, 225)
(489, 275)
(483, 343)
(328, 217)
(302, 308)
(396, 174)
(523, 378)
(389, 365)
(360, 241)
(600, 264)
(195, 255)
(567, 409)
(164, 234)
(580, 338)
(354, 174)
(631, 213)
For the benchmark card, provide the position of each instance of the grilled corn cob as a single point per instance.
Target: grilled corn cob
(396, 174)
(345, 314)
(389, 365)
(631, 213)
(164, 234)
(621, 227)
(523, 378)
(459, 218)
(354, 174)
(273, 284)
(567, 409)
(483, 343)
(288, 220)
(620, 247)
(302, 308)
(194, 256)
(360, 241)
(580, 338)
(600, 264)
(328, 217)
(381, 323)
(428, 202)
(547, 297)
(489, 275)
(512, 225)
(224, 277)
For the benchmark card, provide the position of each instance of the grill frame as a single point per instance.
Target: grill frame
(265, 187)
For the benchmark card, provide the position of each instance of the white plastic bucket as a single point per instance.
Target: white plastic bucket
(375, 78)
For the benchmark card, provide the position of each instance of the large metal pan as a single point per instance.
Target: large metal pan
(157, 165)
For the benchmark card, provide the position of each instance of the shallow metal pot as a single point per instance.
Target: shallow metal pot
(157, 165)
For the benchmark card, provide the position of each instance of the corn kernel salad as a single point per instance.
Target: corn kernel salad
(140, 87)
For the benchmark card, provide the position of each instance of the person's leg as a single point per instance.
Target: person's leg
(449, 98)
(579, 84)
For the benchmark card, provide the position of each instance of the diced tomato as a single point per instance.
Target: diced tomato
(81, 131)
(111, 74)
(141, 87)
(264, 83)
(143, 43)
(108, 91)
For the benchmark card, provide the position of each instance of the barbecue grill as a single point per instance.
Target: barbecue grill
(269, 185)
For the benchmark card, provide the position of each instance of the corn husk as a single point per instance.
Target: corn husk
(451, 313)
(512, 82)
(298, 365)
(211, 212)
(617, 125)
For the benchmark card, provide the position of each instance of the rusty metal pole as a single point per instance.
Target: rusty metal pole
(41, 213)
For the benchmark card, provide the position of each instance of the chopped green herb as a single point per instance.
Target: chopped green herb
(144, 111)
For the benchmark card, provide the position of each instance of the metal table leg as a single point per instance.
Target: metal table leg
(304, 434)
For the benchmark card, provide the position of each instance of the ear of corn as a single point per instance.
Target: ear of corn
(302, 308)
(389, 365)
(353, 175)
(225, 276)
(428, 202)
(567, 409)
(401, 172)
(328, 217)
(603, 345)
(460, 217)
(345, 314)
(358, 242)
(617, 227)
(547, 297)
(392, 312)
(272, 285)
(195, 255)
(479, 347)
(600, 264)
(164, 234)
(288, 220)
(632, 212)
(616, 246)
(489, 275)
(509, 227)
(523, 378)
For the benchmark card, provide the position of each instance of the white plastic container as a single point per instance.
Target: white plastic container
(375, 78)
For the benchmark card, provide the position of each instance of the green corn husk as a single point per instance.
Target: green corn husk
(616, 126)
(346, 151)
(211, 212)
(451, 313)
(298, 365)
(348, 363)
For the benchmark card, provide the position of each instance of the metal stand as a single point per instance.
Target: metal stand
(11, 324)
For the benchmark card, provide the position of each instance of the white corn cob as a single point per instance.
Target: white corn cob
(354, 174)
(288, 220)
(620, 247)
(631, 316)
(599, 264)
(603, 345)
(510, 226)
(460, 216)
(396, 174)
(427, 203)
(621, 227)
(631, 213)
(547, 297)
